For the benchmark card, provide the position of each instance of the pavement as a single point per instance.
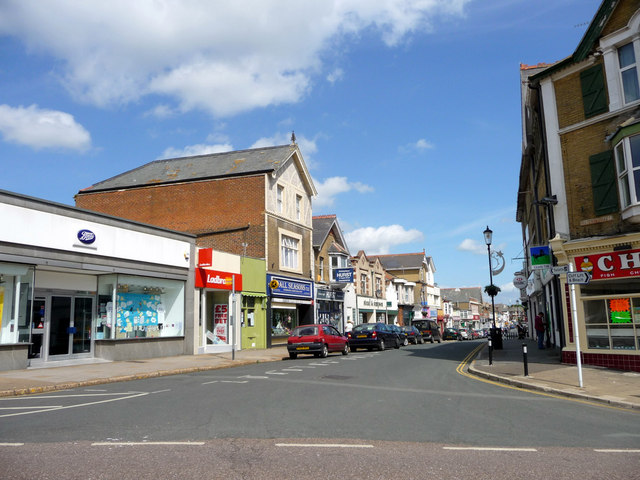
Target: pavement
(545, 372)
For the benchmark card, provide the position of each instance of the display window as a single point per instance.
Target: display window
(283, 320)
(16, 283)
(612, 320)
(217, 318)
(139, 307)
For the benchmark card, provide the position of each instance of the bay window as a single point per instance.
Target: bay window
(627, 158)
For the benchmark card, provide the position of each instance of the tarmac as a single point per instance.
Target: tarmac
(546, 374)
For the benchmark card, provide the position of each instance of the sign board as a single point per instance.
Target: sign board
(540, 257)
(218, 280)
(343, 275)
(520, 281)
(558, 270)
(620, 264)
(578, 278)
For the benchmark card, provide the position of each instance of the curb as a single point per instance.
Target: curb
(550, 390)
(127, 378)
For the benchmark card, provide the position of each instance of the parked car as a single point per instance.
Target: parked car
(463, 334)
(475, 334)
(372, 335)
(413, 334)
(429, 330)
(318, 340)
(450, 334)
(402, 336)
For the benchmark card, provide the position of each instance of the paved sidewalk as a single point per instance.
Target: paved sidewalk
(96, 372)
(547, 374)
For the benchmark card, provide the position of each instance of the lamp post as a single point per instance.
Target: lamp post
(496, 335)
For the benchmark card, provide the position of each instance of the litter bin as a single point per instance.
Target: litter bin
(496, 338)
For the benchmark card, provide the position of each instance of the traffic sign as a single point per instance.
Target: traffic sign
(559, 269)
(579, 278)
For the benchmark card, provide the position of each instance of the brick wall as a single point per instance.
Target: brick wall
(621, 15)
(273, 247)
(200, 208)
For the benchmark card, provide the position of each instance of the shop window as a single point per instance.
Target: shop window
(144, 307)
(612, 323)
(16, 283)
(248, 311)
(283, 320)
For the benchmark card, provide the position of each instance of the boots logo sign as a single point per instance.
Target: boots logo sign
(87, 237)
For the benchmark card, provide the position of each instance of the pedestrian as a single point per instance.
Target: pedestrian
(348, 327)
(539, 326)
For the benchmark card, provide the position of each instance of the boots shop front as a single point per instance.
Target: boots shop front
(77, 286)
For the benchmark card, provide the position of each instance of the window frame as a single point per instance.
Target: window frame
(291, 251)
(628, 175)
(279, 198)
(626, 68)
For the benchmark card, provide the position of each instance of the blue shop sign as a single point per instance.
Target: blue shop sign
(289, 287)
(343, 275)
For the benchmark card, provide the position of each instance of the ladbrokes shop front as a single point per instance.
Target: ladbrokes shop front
(608, 306)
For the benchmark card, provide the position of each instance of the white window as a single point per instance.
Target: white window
(290, 252)
(321, 269)
(628, 73)
(280, 198)
(627, 154)
(298, 207)
(364, 287)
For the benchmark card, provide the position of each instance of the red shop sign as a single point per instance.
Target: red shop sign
(621, 264)
(218, 280)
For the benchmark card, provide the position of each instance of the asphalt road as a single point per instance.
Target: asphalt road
(406, 411)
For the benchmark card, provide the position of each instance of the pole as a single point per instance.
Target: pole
(576, 336)
(493, 307)
(490, 353)
(232, 316)
(524, 358)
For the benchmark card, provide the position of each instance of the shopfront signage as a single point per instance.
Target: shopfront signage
(610, 265)
(288, 287)
(578, 278)
(326, 294)
(205, 257)
(343, 275)
(86, 237)
(519, 281)
(218, 280)
(368, 303)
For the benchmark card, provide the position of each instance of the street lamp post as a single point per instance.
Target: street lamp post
(496, 334)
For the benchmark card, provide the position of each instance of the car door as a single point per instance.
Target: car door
(337, 339)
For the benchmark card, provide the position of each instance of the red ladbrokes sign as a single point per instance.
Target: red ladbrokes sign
(217, 279)
(621, 264)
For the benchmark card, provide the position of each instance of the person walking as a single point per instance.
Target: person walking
(539, 326)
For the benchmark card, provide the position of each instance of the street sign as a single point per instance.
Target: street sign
(579, 278)
(557, 270)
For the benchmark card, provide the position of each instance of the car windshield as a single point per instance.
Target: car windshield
(304, 331)
(421, 324)
(407, 329)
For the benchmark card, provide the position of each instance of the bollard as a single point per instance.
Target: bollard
(524, 357)
(490, 352)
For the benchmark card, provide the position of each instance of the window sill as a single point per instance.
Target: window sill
(632, 214)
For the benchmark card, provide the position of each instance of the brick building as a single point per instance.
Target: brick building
(252, 203)
(579, 190)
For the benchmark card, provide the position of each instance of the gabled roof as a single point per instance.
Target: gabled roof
(457, 295)
(210, 166)
(404, 261)
(322, 226)
(589, 40)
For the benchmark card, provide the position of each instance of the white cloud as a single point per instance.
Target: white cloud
(40, 128)
(335, 75)
(198, 53)
(333, 186)
(307, 146)
(473, 246)
(380, 240)
(193, 150)
(419, 146)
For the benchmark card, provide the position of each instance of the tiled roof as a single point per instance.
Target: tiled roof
(200, 167)
(461, 294)
(400, 261)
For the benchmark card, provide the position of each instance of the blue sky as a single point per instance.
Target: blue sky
(406, 112)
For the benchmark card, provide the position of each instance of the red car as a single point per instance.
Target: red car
(317, 340)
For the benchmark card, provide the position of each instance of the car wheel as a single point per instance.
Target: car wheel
(421, 340)
(397, 343)
(381, 345)
(431, 339)
(439, 341)
(406, 342)
(324, 352)
(345, 350)
(293, 356)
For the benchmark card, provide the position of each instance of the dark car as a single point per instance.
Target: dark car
(450, 334)
(372, 335)
(318, 340)
(429, 330)
(413, 334)
(402, 336)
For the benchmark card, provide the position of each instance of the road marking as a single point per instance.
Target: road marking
(209, 383)
(31, 407)
(292, 370)
(318, 365)
(273, 372)
(253, 376)
(127, 444)
(234, 381)
(493, 449)
(469, 358)
(612, 450)
(322, 445)
(11, 444)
